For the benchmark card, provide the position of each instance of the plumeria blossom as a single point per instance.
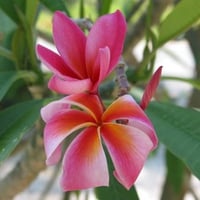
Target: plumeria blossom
(84, 162)
(83, 62)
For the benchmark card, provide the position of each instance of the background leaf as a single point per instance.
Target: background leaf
(55, 5)
(177, 22)
(8, 78)
(104, 6)
(15, 122)
(9, 7)
(179, 129)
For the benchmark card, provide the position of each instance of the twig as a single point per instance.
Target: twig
(84, 23)
(121, 78)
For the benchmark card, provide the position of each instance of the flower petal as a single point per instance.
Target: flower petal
(84, 164)
(128, 148)
(88, 102)
(69, 86)
(125, 107)
(61, 126)
(54, 62)
(151, 88)
(53, 108)
(70, 42)
(108, 31)
(101, 69)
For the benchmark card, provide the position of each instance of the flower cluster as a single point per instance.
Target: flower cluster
(81, 64)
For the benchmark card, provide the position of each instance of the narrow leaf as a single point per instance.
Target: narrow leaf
(178, 128)
(9, 7)
(8, 78)
(55, 5)
(104, 6)
(15, 122)
(179, 20)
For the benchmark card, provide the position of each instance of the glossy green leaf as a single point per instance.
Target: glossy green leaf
(179, 20)
(55, 5)
(104, 6)
(8, 78)
(179, 129)
(175, 172)
(15, 122)
(9, 7)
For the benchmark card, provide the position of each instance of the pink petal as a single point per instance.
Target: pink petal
(145, 128)
(102, 67)
(69, 86)
(151, 88)
(70, 42)
(62, 125)
(84, 164)
(53, 108)
(108, 31)
(128, 148)
(55, 156)
(88, 102)
(55, 63)
(126, 108)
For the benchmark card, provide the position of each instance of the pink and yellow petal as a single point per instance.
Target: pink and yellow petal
(70, 42)
(128, 148)
(84, 164)
(125, 107)
(69, 86)
(88, 102)
(108, 31)
(61, 126)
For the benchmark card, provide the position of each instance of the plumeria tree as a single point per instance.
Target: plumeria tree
(77, 106)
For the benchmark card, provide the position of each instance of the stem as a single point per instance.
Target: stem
(6, 53)
(194, 82)
(121, 78)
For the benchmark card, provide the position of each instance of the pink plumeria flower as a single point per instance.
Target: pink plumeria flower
(84, 162)
(83, 61)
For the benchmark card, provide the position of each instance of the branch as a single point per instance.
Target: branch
(121, 78)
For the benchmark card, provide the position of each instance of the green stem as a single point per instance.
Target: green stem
(6, 53)
(194, 82)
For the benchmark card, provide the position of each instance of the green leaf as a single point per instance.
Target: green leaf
(9, 7)
(8, 78)
(175, 172)
(179, 129)
(56, 5)
(179, 20)
(104, 6)
(15, 122)
(115, 190)
(31, 11)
